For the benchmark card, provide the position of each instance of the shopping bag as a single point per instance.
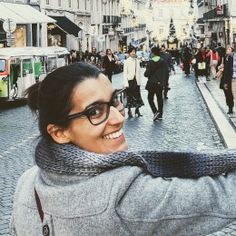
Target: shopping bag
(201, 65)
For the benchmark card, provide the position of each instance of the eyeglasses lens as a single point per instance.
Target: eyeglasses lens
(100, 112)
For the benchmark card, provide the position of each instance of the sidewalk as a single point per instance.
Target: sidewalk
(215, 100)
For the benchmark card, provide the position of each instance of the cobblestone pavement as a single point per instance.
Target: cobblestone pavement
(186, 124)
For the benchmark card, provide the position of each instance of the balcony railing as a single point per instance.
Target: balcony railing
(111, 19)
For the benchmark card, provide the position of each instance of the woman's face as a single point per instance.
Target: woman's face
(107, 137)
(229, 51)
(132, 53)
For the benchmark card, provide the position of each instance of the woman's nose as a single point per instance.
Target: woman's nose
(115, 116)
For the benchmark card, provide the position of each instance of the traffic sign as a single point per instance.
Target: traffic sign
(9, 25)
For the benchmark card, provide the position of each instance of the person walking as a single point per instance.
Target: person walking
(85, 182)
(109, 63)
(187, 56)
(94, 58)
(201, 65)
(226, 80)
(234, 78)
(164, 54)
(214, 60)
(157, 73)
(132, 82)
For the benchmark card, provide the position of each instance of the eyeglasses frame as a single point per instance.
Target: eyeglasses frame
(83, 113)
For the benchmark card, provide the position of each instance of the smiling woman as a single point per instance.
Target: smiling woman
(85, 182)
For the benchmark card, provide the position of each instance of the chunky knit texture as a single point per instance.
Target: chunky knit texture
(70, 159)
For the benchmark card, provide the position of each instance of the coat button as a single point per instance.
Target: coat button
(46, 231)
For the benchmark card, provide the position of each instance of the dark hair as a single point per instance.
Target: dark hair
(108, 50)
(51, 98)
(156, 51)
(131, 49)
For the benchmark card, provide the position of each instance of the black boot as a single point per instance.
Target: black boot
(130, 113)
(137, 112)
(230, 110)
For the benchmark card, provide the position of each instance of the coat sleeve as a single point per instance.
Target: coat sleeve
(138, 73)
(157, 206)
(147, 72)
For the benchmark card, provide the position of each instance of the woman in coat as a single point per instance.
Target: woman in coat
(132, 82)
(226, 80)
(109, 63)
(202, 63)
(85, 182)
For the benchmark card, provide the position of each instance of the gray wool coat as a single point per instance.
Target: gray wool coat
(123, 201)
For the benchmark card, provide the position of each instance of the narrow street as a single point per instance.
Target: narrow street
(186, 124)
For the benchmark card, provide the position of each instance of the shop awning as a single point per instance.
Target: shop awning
(67, 25)
(22, 14)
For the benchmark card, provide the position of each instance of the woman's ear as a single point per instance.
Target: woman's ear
(58, 134)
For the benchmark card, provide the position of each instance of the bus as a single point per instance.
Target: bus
(21, 67)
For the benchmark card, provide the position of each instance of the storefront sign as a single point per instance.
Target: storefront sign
(220, 10)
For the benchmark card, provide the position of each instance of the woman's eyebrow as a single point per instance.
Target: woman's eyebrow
(100, 101)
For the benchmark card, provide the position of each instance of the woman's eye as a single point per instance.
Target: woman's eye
(96, 111)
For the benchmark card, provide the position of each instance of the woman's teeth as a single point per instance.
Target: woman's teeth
(114, 135)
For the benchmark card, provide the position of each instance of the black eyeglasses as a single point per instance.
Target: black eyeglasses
(98, 112)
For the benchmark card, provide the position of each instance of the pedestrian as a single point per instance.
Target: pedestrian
(234, 78)
(221, 51)
(132, 82)
(168, 59)
(201, 65)
(85, 182)
(94, 58)
(157, 73)
(187, 57)
(226, 80)
(72, 57)
(214, 60)
(109, 64)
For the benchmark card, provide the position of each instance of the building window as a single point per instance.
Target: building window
(69, 3)
(85, 5)
(59, 3)
(78, 4)
(47, 2)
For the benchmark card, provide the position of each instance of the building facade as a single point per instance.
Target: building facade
(83, 24)
(18, 29)
(217, 21)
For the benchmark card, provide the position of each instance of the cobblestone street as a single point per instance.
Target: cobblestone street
(186, 124)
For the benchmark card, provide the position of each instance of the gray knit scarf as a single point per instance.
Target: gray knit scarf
(71, 160)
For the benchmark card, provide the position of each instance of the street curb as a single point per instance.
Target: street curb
(223, 125)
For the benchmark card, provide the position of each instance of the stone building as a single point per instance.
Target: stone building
(80, 24)
(217, 21)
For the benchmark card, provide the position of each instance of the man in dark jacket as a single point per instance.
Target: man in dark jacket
(164, 54)
(157, 73)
